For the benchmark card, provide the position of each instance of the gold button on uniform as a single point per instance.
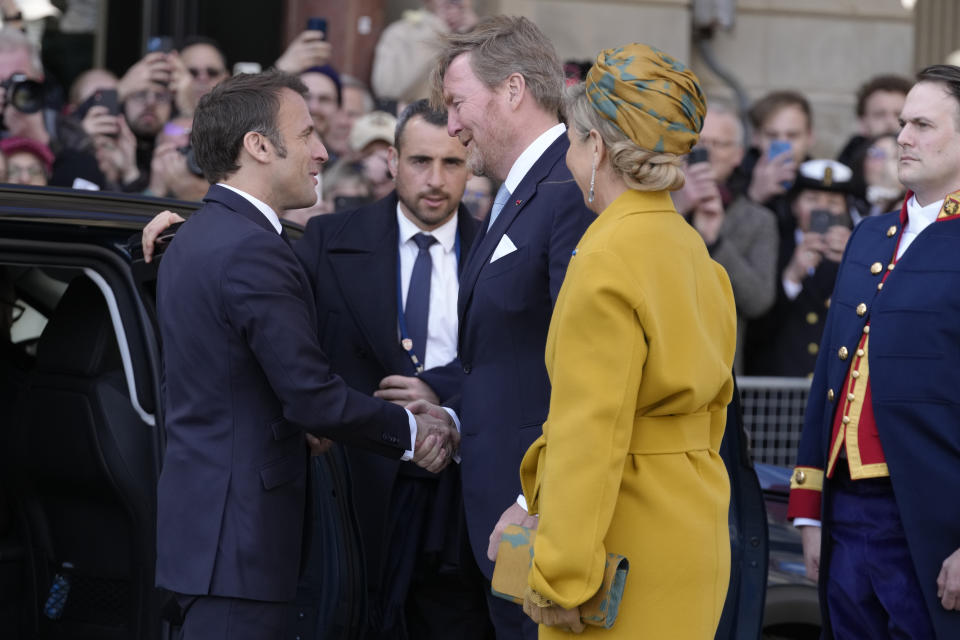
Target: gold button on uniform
(813, 348)
(801, 477)
(827, 303)
(843, 353)
(876, 268)
(812, 318)
(859, 353)
(890, 267)
(866, 329)
(891, 231)
(861, 309)
(846, 419)
(851, 397)
(880, 287)
(831, 395)
(855, 375)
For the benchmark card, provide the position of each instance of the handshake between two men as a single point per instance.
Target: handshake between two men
(437, 443)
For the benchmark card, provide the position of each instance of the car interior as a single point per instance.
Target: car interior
(77, 462)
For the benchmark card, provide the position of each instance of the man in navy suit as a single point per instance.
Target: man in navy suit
(245, 377)
(880, 448)
(502, 85)
(361, 263)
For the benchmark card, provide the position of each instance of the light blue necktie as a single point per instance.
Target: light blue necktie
(503, 194)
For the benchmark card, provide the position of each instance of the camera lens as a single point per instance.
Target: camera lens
(24, 94)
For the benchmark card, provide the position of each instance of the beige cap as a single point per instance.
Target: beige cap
(370, 127)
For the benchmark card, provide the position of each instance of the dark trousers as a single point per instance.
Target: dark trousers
(872, 588)
(421, 598)
(509, 619)
(216, 618)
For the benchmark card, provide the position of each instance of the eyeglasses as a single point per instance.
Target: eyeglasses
(146, 95)
(212, 72)
(32, 171)
(18, 309)
(717, 145)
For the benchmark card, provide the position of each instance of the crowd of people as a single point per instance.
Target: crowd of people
(415, 285)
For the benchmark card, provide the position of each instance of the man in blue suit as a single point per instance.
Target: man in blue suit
(362, 266)
(502, 85)
(245, 377)
(880, 448)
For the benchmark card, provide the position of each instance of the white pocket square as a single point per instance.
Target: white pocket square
(506, 247)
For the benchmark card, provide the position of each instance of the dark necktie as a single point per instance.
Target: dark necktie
(417, 309)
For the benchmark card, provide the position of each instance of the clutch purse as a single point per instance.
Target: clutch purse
(514, 557)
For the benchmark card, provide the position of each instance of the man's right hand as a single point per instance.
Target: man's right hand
(769, 176)
(810, 538)
(437, 436)
(160, 223)
(515, 514)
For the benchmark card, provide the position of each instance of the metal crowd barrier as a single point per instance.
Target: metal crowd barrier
(773, 416)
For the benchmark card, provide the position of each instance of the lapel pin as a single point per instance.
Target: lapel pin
(407, 343)
(519, 202)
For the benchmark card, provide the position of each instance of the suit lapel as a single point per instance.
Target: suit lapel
(238, 204)
(469, 230)
(363, 256)
(487, 243)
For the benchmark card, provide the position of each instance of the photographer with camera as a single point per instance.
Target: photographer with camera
(740, 234)
(173, 171)
(786, 341)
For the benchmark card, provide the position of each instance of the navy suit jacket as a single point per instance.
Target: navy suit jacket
(352, 260)
(505, 308)
(244, 378)
(914, 358)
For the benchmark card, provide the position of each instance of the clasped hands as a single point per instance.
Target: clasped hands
(437, 437)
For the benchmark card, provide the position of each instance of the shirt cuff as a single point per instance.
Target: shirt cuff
(408, 454)
(806, 522)
(522, 502)
(792, 289)
(456, 421)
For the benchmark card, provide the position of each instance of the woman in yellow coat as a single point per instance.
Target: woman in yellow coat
(640, 353)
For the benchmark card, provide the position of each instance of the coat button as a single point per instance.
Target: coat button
(813, 348)
(860, 353)
(800, 476)
(846, 420)
(890, 267)
(467, 369)
(866, 329)
(892, 231)
(854, 374)
(876, 268)
(861, 309)
(843, 353)
(880, 287)
(812, 318)
(831, 395)
(851, 397)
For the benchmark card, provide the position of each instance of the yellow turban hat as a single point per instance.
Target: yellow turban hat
(653, 99)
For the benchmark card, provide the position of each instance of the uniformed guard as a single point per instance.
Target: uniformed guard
(881, 436)
(786, 341)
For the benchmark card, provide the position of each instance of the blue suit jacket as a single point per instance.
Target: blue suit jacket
(244, 378)
(351, 259)
(505, 308)
(914, 359)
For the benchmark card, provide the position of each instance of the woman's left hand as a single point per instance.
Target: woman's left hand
(551, 615)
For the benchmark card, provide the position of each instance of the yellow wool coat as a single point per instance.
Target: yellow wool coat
(640, 352)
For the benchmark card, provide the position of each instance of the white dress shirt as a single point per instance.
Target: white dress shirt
(274, 220)
(521, 166)
(444, 285)
(261, 206)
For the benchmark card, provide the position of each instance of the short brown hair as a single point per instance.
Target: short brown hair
(501, 46)
(887, 82)
(770, 104)
(236, 106)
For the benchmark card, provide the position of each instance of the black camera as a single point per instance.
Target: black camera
(26, 95)
(191, 157)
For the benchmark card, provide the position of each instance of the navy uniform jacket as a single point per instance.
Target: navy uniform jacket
(505, 308)
(914, 361)
(352, 260)
(244, 378)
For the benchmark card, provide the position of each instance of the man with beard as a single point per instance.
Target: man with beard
(502, 86)
(146, 109)
(368, 267)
